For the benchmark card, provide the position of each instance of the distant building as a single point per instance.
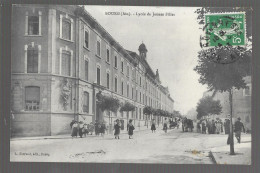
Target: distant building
(61, 58)
(241, 103)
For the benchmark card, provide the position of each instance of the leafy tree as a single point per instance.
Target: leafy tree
(223, 68)
(208, 106)
(109, 103)
(147, 110)
(127, 107)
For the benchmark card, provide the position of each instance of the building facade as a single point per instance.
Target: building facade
(61, 58)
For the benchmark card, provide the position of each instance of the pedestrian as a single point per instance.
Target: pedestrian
(165, 125)
(239, 126)
(198, 128)
(81, 129)
(203, 128)
(102, 128)
(130, 129)
(218, 127)
(213, 127)
(75, 129)
(85, 129)
(153, 128)
(209, 126)
(227, 126)
(117, 128)
(91, 128)
(96, 128)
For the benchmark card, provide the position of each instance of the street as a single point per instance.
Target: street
(175, 147)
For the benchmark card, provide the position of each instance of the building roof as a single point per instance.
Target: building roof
(133, 57)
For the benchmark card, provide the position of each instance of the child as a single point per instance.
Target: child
(130, 129)
(85, 129)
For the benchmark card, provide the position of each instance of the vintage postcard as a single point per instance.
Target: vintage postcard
(129, 84)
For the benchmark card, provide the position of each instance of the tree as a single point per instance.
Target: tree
(208, 106)
(109, 103)
(127, 107)
(223, 68)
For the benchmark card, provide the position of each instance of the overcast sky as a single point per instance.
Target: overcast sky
(172, 43)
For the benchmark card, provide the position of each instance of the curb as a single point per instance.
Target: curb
(212, 157)
(60, 137)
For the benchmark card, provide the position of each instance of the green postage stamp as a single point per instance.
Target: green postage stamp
(225, 29)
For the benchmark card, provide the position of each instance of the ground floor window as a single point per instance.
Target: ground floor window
(32, 98)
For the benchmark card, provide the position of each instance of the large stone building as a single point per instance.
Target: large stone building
(61, 58)
(241, 103)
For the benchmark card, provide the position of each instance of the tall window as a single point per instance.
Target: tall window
(66, 29)
(98, 75)
(127, 71)
(127, 90)
(33, 24)
(122, 66)
(140, 81)
(86, 70)
(115, 84)
(86, 102)
(136, 95)
(133, 74)
(115, 61)
(32, 98)
(108, 80)
(143, 99)
(86, 38)
(132, 93)
(66, 63)
(122, 87)
(136, 111)
(140, 113)
(98, 47)
(108, 55)
(32, 60)
(140, 97)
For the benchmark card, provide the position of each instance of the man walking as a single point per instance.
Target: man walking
(239, 126)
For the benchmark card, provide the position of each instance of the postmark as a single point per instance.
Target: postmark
(225, 29)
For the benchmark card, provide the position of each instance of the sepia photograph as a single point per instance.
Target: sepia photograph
(131, 84)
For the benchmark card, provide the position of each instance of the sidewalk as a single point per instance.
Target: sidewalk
(220, 155)
(137, 129)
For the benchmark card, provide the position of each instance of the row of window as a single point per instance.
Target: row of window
(33, 27)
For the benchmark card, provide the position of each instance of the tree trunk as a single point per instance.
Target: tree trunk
(232, 152)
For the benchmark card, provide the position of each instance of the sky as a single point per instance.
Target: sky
(172, 43)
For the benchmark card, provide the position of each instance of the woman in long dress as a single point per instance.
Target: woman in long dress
(117, 129)
(130, 129)
(75, 129)
(165, 126)
(153, 128)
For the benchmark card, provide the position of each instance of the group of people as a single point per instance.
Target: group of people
(211, 126)
(130, 129)
(82, 128)
(217, 127)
